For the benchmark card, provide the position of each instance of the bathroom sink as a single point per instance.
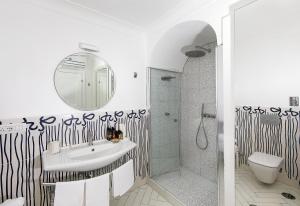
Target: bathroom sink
(94, 152)
(84, 158)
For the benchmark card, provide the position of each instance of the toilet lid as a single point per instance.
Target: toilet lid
(265, 159)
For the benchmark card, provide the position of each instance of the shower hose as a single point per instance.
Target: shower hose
(201, 124)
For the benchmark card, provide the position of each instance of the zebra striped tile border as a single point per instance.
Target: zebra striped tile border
(21, 170)
(280, 135)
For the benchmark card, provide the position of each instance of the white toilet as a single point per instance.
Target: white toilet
(265, 167)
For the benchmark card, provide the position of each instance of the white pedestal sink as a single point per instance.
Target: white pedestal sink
(82, 157)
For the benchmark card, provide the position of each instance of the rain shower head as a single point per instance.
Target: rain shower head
(194, 51)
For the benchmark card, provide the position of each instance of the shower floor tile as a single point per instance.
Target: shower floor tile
(189, 188)
(250, 191)
(141, 196)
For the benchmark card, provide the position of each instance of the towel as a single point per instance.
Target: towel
(97, 191)
(69, 193)
(14, 202)
(123, 179)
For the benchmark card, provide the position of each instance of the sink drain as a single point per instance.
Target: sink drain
(288, 196)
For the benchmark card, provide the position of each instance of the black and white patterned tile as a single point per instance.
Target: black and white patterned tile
(21, 170)
(279, 135)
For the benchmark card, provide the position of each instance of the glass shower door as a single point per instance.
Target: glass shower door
(165, 121)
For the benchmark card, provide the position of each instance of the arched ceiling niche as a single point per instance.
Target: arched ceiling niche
(167, 52)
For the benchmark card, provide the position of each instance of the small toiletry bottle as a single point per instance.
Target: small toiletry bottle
(53, 147)
(123, 129)
(120, 134)
(109, 133)
(117, 134)
(113, 130)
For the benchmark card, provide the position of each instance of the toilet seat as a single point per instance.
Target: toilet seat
(266, 160)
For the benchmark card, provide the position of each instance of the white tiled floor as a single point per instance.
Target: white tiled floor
(141, 196)
(189, 188)
(250, 191)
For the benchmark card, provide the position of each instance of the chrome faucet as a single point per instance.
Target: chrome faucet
(90, 140)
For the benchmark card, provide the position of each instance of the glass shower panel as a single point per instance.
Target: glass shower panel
(165, 121)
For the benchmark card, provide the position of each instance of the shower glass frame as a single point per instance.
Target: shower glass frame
(220, 122)
(148, 103)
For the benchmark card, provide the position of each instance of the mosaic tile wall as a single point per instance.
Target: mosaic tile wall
(199, 87)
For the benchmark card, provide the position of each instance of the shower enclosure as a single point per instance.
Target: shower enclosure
(183, 129)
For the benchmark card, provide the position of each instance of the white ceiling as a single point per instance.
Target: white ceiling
(141, 13)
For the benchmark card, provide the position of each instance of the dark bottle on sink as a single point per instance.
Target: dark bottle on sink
(109, 133)
(113, 130)
(119, 134)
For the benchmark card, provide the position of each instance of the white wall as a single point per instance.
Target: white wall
(266, 70)
(37, 35)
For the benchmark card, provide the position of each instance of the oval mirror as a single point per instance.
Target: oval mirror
(84, 81)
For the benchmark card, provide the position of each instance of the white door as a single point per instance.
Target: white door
(102, 87)
(71, 86)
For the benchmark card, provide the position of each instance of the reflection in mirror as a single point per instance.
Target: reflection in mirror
(84, 81)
